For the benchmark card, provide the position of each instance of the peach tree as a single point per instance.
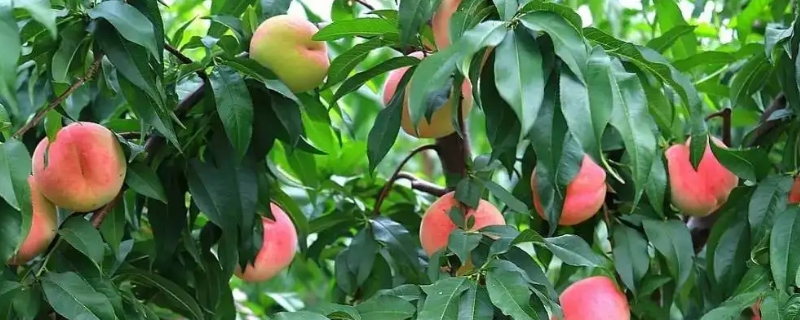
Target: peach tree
(411, 159)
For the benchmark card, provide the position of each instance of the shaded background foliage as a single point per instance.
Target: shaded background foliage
(159, 74)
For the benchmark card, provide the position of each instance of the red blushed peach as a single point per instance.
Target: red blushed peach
(440, 22)
(698, 192)
(585, 194)
(284, 44)
(43, 227)
(441, 120)
(434, 231)
(85, 167)
(277, 250)
(794, 194)
(595, 298)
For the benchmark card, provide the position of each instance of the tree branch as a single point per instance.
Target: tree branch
(393, 178)
(41, 113)
(364, 3)
(422, 185)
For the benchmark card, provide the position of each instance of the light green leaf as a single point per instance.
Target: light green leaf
(519, 75)
(81, 235)
(129, 22)
(568, 42)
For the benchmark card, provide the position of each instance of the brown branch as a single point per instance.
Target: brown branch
(725, 114)
(364, 3)
(101, 213)
(393, 178)
(422, 185)
(41, 113)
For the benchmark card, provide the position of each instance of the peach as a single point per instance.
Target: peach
(794, 194)
(43, 227)
(441, 121)
(284, 44)
(436, 226)
(85, 167)
(584, 197)
(595, 298)
(440, 22)
(698, 192)
(277, 250)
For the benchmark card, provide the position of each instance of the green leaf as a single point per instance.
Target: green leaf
(12, 48)
(704, 58)
(73, 298)
(362, 251)
(503, 127)
(668, 39)
(475, 304)
(519, 76)
(168, 289)
(40, 11)
(768, 200)
(81, 235)
(412, 14)
(27, 302)
(509, 291)
(129, 22)
(386, 308)
(631, 259)
(346, 62)
(505, 196)
(672, 239)
(387, 125)
(568, 41)
(587, 108)
(462, 243)
(68, 49)
(670, 18)
(750, 78)
(15, 168)
(656, 186)
(468, 191)
(144, 180)
(403, 247)
(732, 307)
(360, 27)
(784, 260)
(564, 11)
(573, 250)
(234, 106)
(443, 298)
(434, 71)
(359, 79)
(113, 227)
(298, 315)
(634, 123)
(146, 108)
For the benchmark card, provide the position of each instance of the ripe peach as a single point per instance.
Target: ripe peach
(441, 123)
(85, 167)
(434, 231)
(277, 250)
(794, 194)
(701, 192)
(43, 227)
(440, 22)
(596, 298)
(585, 194)
(284, 44)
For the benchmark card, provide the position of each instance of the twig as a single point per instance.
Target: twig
(364, 3)
(725, 114)
(388, 185)
(422, 185)
(41, 113)
(185, 60)
(101, 213)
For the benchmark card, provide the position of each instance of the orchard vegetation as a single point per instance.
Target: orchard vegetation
(390, 160)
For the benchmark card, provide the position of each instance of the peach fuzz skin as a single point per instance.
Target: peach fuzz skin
(794, 194)
(434, 231)
(43, 227)
(85, 168)
(698, 193)
(284, 45)
(594, 298)
(585, 194)
(277, 250)
(441, 124)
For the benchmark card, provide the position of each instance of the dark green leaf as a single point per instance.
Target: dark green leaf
(412, 14)
(567, 40)
(475, 304)
(73, 298)
(71, 39)
(12, 48)
(505, 196)
(82, 235)
(784, 260)
(462, 243)
(234, 106)
(630, 256)
(386, 307)
(144, 180)
(346, 62)
(509, 291)
(359, 79)
(443, 297)
(169, 289)
(672, 239)
(519, 75)
(355, 27)
(129, 22)
(573, 250)
(669, 38)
